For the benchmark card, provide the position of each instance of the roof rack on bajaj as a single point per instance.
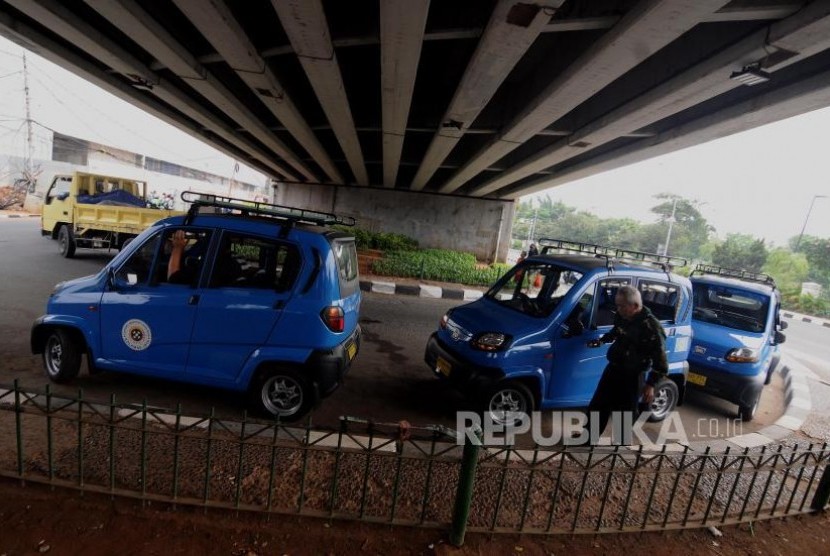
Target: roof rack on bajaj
(528, 343)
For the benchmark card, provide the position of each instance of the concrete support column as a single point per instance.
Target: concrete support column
(478, 226)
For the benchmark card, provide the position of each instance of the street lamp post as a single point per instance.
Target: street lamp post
(806, 218)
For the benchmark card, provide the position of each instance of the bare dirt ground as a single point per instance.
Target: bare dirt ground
(35, 519)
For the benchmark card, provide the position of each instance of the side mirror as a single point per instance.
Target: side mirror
(571, 329)
(782, 324)
(780, 338)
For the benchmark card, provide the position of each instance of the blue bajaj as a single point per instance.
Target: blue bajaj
(737, 335)
(529, 342)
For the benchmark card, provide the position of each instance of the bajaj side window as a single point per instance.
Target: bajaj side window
(535, 288)
(252, 262)
(137, 269)
(192, 260)
(661, 298)
(606, 304)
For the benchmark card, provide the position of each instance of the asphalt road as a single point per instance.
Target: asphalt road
(389, 381)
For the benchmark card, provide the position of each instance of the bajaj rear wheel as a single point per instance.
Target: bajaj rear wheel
(282, 394)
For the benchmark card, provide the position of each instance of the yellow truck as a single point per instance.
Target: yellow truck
(96, 211)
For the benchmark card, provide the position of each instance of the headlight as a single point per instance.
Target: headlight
(742, 355)
(490, 341)
(442, 324)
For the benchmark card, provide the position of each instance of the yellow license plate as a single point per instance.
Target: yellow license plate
(443, 366)
(351, 351)
(695, 378)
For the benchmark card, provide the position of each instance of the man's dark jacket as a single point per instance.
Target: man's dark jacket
(639, 345)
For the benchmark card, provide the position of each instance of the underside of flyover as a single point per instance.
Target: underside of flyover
(423, 104)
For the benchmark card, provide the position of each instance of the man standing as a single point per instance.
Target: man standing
(639, 345)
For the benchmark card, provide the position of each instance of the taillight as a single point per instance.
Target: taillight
(333, 318)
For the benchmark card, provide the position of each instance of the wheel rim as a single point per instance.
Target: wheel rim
(506, 404)
(62, 242)
(663, 402)
(282, 395)
(53, 356)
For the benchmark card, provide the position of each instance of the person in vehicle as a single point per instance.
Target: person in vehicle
(176, 274)
(639, 345)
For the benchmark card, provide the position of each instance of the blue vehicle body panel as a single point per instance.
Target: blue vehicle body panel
(565, 370)
(201, 333)
(718, 333)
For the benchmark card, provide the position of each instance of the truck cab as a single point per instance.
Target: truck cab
(96, 211)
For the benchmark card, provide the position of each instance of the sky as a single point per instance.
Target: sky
(66, 103)
(760, 182)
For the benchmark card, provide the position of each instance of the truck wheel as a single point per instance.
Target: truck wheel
(507, 397)
(666, 395)
(66, 242)
(61, 357)
(283, 394)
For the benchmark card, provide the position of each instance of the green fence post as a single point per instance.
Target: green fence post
(421, 270)
(466, 483)
(822, 495)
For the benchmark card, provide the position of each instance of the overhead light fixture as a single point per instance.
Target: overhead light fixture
(751, 75)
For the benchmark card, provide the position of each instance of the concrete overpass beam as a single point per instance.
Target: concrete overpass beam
(215, 21)
(402, 24)
(512, 29)
(801, 35)
(64, 23)
(184, 115)
(647, 28)
(305, 24)
(806, 95)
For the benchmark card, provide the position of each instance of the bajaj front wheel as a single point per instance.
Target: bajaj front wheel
(61, 356)
(505, 402)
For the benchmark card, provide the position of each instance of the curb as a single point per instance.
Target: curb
(8, 215)
(806, 318)
(798, 406)
(419, 290)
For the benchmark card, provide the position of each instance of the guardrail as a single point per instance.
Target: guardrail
(395, 473)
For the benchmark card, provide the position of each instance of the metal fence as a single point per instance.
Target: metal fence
(396, 473)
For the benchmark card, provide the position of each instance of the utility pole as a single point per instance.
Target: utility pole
(28, 158)
(806, 218)
(532, 230)
(671, 223)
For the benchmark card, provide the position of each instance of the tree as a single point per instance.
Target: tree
(787, 268)
(690, 230)
(742, 252)
(817, 252)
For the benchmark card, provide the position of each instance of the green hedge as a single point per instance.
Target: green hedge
(440, 265)
(385, 241)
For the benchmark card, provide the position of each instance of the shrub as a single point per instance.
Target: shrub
(385, 241)
(440, 265)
